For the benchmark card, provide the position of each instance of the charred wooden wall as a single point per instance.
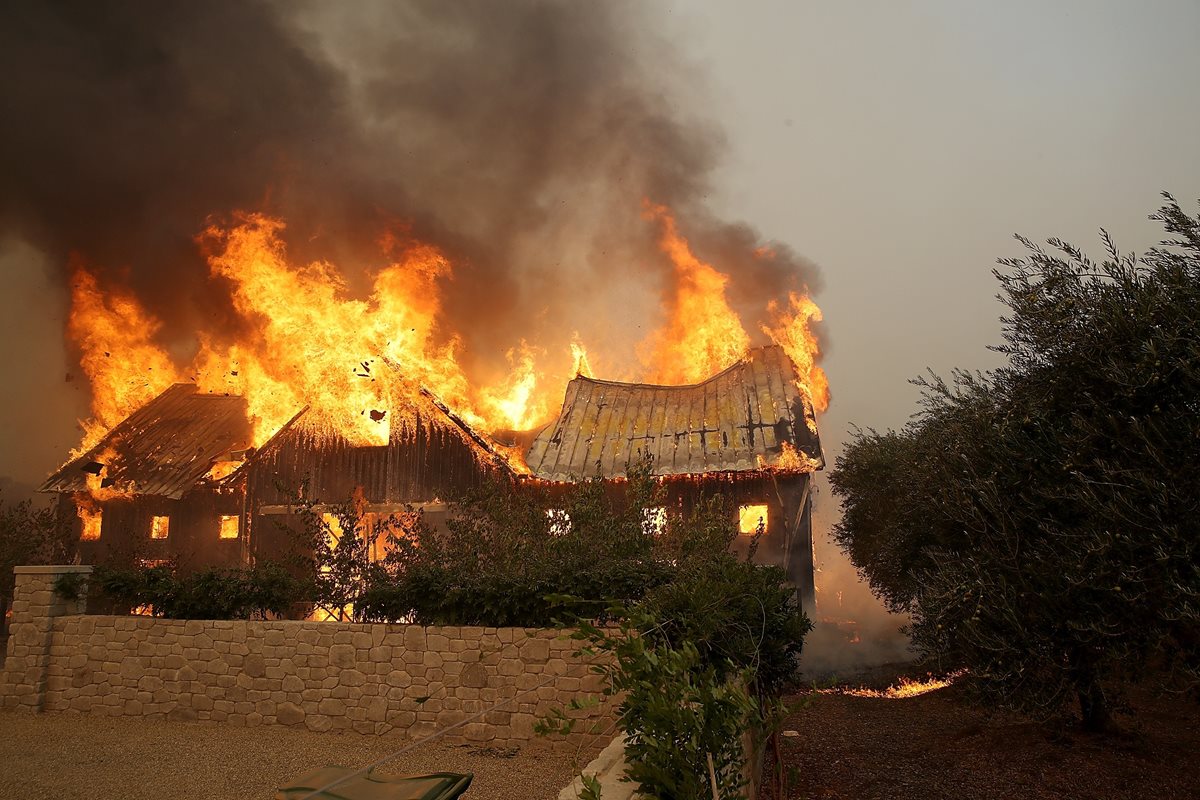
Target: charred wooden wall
(192, 540)
(422, 462)
(787, 538)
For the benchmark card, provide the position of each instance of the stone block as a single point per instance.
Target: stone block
(376, 709)
(535, 650)
(332, 707)
(351, 677)
(414, 637)
(478, 731)
(150, 683)
(289, 714)
(182, 714)
(343, 656)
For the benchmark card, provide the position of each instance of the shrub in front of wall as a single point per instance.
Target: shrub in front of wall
(262, 592)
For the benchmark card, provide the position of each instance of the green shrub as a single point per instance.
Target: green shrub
(683, 714)
(263, 591)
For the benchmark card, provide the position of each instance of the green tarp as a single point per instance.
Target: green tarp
(369, 786)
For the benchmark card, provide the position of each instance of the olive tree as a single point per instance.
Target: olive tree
(1040, 522)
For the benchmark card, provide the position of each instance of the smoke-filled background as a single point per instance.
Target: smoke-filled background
(519, 137)
(897, 146)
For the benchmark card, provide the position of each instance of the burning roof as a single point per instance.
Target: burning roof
(750, 416)
(186, 436)
(164, 448)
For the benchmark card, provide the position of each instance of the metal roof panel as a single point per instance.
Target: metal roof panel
(738, 420)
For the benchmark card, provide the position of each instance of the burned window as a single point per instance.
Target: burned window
(751, 517)
(92, 519)
(228, 527)
(160, 527)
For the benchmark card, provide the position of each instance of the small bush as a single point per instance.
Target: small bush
(259, 592)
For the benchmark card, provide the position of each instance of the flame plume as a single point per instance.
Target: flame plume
(791, 328)
(303, 339)
(117, 353)
(703, 335)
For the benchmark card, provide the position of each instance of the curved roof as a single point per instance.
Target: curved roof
(751, 416)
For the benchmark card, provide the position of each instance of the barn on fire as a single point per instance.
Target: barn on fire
(747, 432)
(179, 480)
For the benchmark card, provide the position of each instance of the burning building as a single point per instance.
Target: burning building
(748, 433)
(159, 483)
(179, 480)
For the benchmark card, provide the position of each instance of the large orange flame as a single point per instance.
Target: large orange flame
(356, 362)
(115, 337)
(791, 329)
(702, 334)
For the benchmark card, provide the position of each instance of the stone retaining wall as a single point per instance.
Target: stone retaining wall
(373, 679)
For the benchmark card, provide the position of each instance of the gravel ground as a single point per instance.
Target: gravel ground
(67, 756)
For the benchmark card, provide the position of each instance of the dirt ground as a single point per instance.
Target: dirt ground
(64, 757)
(936, 746)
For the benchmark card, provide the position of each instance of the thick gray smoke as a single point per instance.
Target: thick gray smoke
(521, 137)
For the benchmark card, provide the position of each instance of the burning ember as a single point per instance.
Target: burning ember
(303, 339)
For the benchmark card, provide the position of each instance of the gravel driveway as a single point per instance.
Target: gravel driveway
(67, 756)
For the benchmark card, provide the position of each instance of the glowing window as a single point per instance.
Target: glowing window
(560, 521)
(654, 521)
(159, 527)
(333, 524)
(92, 519)
(229, 527)
(750, 517)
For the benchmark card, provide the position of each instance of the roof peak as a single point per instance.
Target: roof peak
(741, 362)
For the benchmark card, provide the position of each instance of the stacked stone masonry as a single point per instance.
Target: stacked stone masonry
(324, 676)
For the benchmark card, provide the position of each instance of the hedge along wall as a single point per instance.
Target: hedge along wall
(370, 678)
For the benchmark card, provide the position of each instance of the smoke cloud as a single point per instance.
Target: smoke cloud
(519, 137)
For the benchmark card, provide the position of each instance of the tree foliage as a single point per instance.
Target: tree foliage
(1042, 521)
(30, 534)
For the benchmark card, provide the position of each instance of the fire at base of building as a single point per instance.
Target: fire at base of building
(178, 479)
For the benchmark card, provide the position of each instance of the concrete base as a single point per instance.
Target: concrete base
(609, 769)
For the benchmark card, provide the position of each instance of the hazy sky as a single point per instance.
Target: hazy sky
(898, 145)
